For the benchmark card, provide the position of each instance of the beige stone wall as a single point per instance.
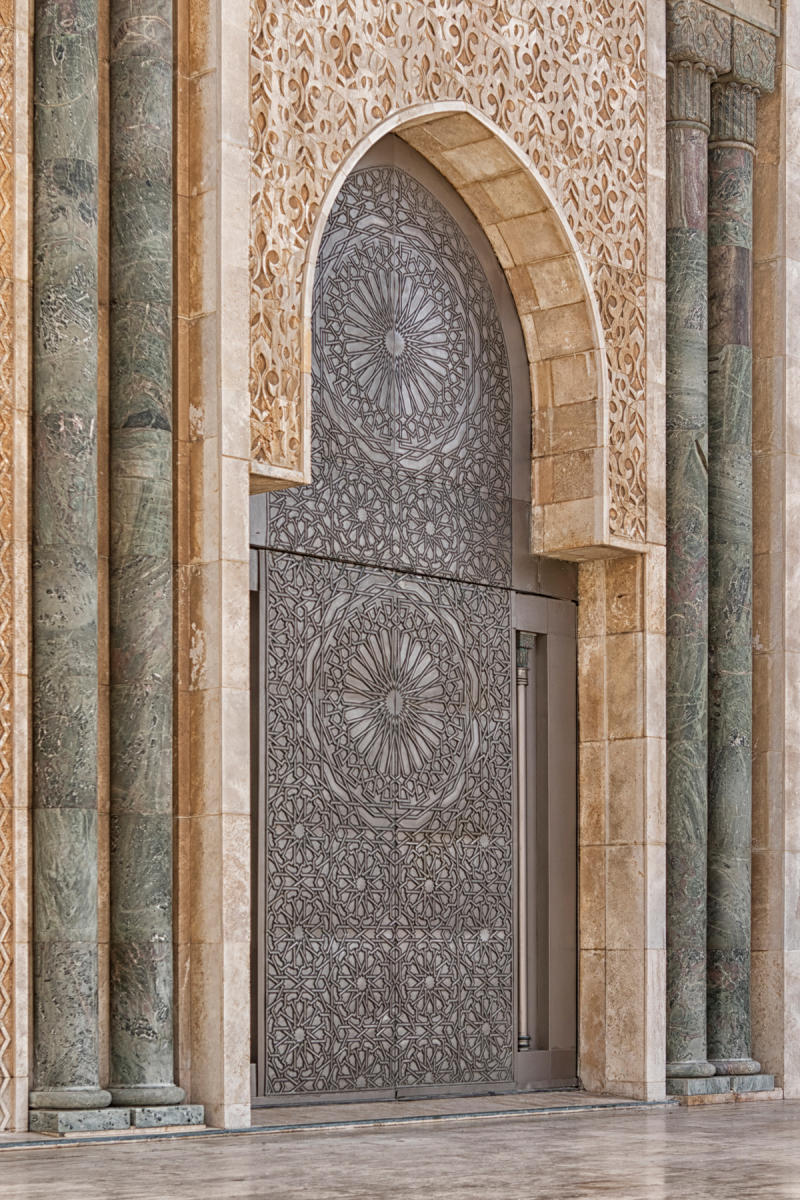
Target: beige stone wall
(14, 554)
(212, 535)
(6, 519)
(776, 647)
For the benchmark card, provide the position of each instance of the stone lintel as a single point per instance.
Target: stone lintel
(63, 1122)
(166, 1116)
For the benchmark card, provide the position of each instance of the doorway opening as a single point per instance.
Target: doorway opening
(413, 683)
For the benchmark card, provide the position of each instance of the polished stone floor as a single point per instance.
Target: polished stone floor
(730, 1151)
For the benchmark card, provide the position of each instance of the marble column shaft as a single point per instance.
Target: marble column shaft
(688, 92)
(730, 270)
(64, 559)
(140, 585)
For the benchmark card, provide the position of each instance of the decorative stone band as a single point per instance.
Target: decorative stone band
(766, 13)
(689, 93)
(733, 113)
(698, 33)
(732, 49)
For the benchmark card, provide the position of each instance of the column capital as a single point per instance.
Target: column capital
(689, 93)
(733, 112)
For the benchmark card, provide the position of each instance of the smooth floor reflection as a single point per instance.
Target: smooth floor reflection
(737, 1150)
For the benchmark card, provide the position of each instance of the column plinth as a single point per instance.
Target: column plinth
(688, 99)
(730, 271)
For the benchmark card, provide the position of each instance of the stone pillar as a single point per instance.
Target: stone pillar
(688, 97)
(140, 583)
(64, 559)
(730, 271)
(698, 49)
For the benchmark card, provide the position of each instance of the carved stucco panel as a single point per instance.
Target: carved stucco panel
(566, 81)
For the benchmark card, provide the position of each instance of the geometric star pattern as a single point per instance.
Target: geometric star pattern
(388, 953)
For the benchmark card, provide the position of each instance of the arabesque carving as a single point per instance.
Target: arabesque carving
(566, 81)
(6, 535)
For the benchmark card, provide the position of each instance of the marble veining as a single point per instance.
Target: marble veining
(140, 581)
(64, 556)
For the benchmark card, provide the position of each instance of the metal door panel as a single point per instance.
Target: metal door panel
(388, 848)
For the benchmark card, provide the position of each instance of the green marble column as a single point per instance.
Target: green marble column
(730, 273)
(688, 95)
(140, 432)
(64, 558)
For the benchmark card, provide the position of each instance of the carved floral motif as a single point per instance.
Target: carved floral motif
(567, 81)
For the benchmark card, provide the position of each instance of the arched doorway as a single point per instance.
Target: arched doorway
(414, 914)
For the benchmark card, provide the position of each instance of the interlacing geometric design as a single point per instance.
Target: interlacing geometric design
(411, 394)
(388, 846)
(387, 835)
(566, 79)
(6, 533)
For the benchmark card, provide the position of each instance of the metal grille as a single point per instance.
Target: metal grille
(388, 814)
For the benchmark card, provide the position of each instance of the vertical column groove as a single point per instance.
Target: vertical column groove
(64, 559)
(730, 269)
(688, 98)
(140, 577)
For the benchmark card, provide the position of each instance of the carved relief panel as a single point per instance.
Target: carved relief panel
(566, 82)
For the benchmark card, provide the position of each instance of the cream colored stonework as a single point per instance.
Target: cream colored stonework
(765, 13)
(561, 90)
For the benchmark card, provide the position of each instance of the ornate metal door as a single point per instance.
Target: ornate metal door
(387, 852)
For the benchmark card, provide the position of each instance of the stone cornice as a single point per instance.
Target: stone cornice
(731, 48)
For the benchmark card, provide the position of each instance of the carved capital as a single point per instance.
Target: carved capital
(697, 33)
(753, 56)
(733, 112)
(689, 92)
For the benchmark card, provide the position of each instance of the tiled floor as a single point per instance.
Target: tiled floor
(731, 1151)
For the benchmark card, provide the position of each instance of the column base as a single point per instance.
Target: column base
(720, 1085)
(153, 1095)
(167, 1116)
(64, 1122)
(69, 1098)
(704, 1086)
(736, 1066)
(697, 1068)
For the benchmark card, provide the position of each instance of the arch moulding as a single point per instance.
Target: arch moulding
(515, 119)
